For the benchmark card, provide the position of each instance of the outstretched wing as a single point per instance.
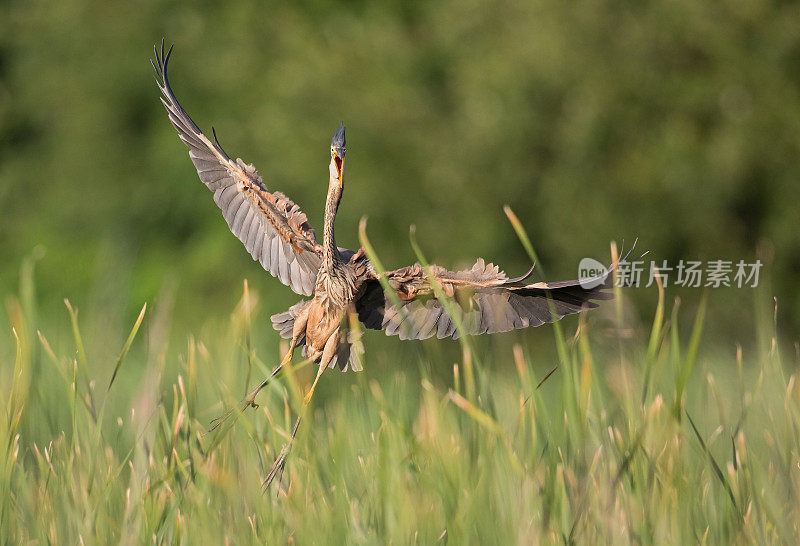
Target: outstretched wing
(273, 229)
(483, 298)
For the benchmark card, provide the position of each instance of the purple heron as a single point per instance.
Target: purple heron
(343, 284)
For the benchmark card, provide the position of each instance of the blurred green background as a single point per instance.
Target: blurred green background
(674, 122)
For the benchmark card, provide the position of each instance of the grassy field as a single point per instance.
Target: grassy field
(638, 435)
(649, 420)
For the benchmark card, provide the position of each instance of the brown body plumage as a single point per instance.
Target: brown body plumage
(343, 283)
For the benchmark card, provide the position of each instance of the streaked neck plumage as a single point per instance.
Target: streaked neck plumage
(336, 283)
(330, 252)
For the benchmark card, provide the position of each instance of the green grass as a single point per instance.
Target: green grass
(639, 436)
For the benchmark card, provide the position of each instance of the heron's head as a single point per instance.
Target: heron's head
(337, 155)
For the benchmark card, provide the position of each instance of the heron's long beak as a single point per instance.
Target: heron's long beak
(338, 149)
(338, 158)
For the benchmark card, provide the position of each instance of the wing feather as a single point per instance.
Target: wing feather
(272, 228)
(484, 301)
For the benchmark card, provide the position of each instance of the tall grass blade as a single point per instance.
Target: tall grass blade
(691, 355)
(655, 338)
(127, 346)
(450, 307)
(568, 384)
(522, 235)
(377, 264)
(76, 334)
(717, 470)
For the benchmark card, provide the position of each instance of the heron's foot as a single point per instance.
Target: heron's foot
(277, 467)
(222, 419)
(216, 422)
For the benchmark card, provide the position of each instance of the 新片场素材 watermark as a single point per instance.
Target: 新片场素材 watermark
(686, 273)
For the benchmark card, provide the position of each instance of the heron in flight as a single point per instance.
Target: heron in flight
(343, 285)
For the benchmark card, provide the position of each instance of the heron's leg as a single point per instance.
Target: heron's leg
(280, 461)
(298, 330)
(250, 400)
(300, 323)
(310, 393)
(327, 354)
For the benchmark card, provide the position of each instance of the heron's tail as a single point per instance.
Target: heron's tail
(284, 322)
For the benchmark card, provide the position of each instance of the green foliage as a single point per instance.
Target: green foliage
(398, 456)
(674, 121)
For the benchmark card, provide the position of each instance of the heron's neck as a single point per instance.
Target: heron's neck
(330, 252)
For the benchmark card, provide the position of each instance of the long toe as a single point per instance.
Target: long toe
(217, 421)
(277, 467)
